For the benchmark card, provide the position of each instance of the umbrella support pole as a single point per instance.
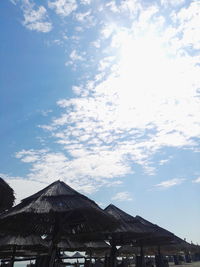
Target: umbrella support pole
(52, 258)
(140, 261)
(159, 259)
(13, 257)
(113, 254)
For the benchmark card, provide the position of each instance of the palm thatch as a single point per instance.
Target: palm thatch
(129, 228)
(7, 197)
(56, 209)
(31, 242)
(71, 245)
(159, 236)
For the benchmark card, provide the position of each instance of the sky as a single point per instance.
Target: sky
(105, 96)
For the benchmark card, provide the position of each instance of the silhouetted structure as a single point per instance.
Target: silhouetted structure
(7, 197)
(56, 210)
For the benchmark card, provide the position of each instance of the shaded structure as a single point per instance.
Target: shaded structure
(159, 237)
(7, 197)
(129, 228)
(138, 232)
(56, 210)
(128, 231)
(12, 246)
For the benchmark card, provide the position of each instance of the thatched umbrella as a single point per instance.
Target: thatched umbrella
(57, 209)
(19, 245)
(159, 237)
(7, 197)
(128, 230)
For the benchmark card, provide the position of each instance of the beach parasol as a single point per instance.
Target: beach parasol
(7, 197)
(128, 230)
(160, 236)
(21, 246)
(56, 210)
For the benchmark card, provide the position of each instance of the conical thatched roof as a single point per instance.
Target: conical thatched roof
(56, 208)
(160, 236)
(129, 227)
(7, 197)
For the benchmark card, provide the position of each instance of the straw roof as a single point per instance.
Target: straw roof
(71, 245)
(129, 227)
(31, 242)
(56, 208)
(7, 197)
(22, 246)
(160, 236)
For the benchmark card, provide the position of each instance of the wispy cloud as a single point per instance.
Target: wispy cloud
(122, 196)
(197, 180)
(36, 18)
(85, 2)
(170, 183)
(63, 7)
(147, 101)
(167, 3)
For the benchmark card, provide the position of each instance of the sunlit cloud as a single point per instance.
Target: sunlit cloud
(143, 97)
(122, 196)
(36, 18)
(167, 3)
(170, 183)
(197, 180)
(85, 2)
(63, 7)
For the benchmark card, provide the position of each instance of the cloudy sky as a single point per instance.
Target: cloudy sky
(105, 96)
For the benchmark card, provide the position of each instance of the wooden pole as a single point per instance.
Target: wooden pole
(113, 253)
(13, 257)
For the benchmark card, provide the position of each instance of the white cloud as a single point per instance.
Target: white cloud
(171, 183)
(84, 16)
(85, 171)
(46, 112)
(36, 18)
(197, 180)
(172, 2)
(108, 30)
(85, 2)
(132, 6)
(122, 196)
(96, 43)
(164, 161)
(113, 7)
(75, 56)
(29, 156)
(14, 2)
(147, 101)
(63, 7)
(188, 20)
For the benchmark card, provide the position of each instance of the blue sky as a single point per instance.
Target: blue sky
(104, 95)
